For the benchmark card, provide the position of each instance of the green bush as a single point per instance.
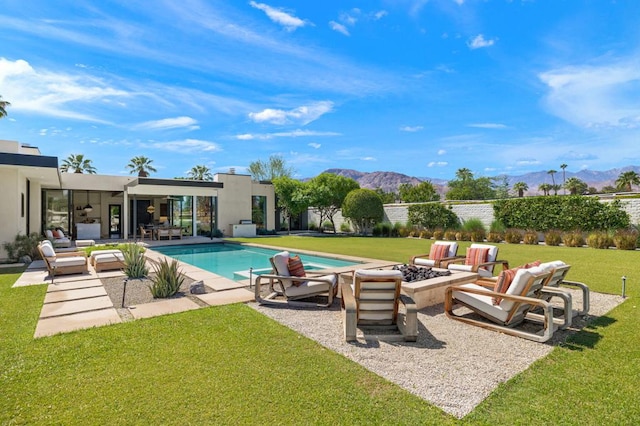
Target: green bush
(167, 279)
(497, 227)
(344, 227)
(313, 226)
(23, 245)
(426, 234)
(432, 216)
(463, 236)
(573, 239)
(364, 208)
(626, 239)
(530, 237)
(403, 231)
(553, 237)
(599, 240)
(560, 212)
(512, 236)
(135, 265)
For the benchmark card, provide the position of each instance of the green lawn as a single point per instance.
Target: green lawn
(230, 364)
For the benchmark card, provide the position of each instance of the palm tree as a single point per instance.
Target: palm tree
(627, 179)
(141, 165)
(200, 173)
(563, 166)
(3, 107)
(464, 174)
(545, 188)
(520, 187)
(553, 181)
(576, 186)
(78, 164)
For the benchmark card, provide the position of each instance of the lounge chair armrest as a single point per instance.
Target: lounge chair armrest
(71, 254)
(455, 259)
(418, 256)
(585, 294)
(512, 297)
(566, 300)
(408, 320)
(349, 312)
(489, 283)
(504, 263)
(408, 302)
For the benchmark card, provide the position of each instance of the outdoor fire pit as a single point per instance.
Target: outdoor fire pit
(411, 273)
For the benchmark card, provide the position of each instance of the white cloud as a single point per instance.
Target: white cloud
(53, 93)
(487, 125)
(369, 159)
(380, 14)
(335, 26)
(479, 41)
(442, 152)
(528, 162)
(279, 16)
(170, 123)
(411, 128)
(302, 115)
(437, 164)
(187, 146)
(595, 96)
(314, 145)
(291, 134)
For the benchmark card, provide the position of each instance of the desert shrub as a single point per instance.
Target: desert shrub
(167, 279)
(135, 265)
(599, 240)
(573, 239)
(626, 239)
(382, 229)
(432, 215)
(497, 227)
(512, 236)
(344, 227)
(495, 237)
(450, 235)
(463, 236)
(327, 225)
(426, 234)
(395, 229)
(553, 237)
(438, 234)
(403, 232)
(530, 237)
(23, 245)
(313, 226)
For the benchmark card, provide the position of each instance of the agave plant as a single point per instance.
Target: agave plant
(135, 265)
(167, 279)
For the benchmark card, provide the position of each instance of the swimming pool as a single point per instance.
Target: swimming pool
(235, 261)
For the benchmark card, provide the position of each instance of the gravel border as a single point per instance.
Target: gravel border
(453, 365)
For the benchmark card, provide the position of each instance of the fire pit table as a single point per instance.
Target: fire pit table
(431, 291)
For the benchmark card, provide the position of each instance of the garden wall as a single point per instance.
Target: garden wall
(397, 213)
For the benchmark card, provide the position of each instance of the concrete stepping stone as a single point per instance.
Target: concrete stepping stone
(164, 307)
(75, 306)
(73, 285)
(239, 295)
(75, 294)
(78, 321)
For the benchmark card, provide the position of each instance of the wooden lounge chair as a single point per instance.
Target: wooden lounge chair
(480, 258)
(103, 260)
(286, 288)
(372, 301)
(62, 263)
(513, 306)
(441, 252)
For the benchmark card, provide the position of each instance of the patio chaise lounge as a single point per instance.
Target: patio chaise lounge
(372, 302)
(440, 252)
(289, 283)
(62, 263)
(480, 258)
(504, 311)
(107, 259)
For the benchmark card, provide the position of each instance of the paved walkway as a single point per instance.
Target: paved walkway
(79, 301)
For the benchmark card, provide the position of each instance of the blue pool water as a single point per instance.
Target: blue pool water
(234, 261)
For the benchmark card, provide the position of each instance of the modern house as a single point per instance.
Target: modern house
(37, 196)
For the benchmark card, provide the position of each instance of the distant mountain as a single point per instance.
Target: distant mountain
(390, 181)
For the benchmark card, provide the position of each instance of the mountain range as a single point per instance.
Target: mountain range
(390, 181)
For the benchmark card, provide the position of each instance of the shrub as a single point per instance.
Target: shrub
(473, 224)
(599, 240)
(426, 234)
(450, 235)
(432, 215)
(512, 236)
(364, 208)
(396, 229)
(385, 229)
(404, 232)
(552, 238)
(135, 265)
(497, 227)
(438, 234)
(573, 239)
(167, 279)
(478, 236)
(626, 239)
(344, 227)
(495, 237)
(463, 236)
(313, 226)
(530, 237)
(23, 245)
(327, 225)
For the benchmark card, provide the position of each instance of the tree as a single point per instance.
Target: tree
(420, 193)
(3, 107)
(269, 170)
(327, 192)
(520, 187)
(200, 173)
(563, 166)
(78, 164)
(364, 208)
(608, 189)
(501, 186)
(545, 188)
(576, 186)
(627, 179)
(386, 197)
(553, 180)
(291, 196)
(466, 187)
(141, 165)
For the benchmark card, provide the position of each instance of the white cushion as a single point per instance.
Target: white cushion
(61, 262)
(48, 233)
(422, 261)
(47, 250)
(453, 247)
(554, 264)
(281, 262)
(378, 274)
(108, 257)
(518, 284)
(97, 253)
(481, 302)
(312, 287)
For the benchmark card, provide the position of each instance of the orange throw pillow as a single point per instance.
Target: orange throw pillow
(296, 269)
(438, 251)
(505, 278)
(476, 256)
(57, 234)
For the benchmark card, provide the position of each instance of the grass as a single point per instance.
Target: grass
(230, 364)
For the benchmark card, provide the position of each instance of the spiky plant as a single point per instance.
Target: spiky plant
(167, 279)
(135, 265)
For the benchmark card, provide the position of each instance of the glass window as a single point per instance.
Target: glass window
(205, 215)
(56, 206)
(259, 211)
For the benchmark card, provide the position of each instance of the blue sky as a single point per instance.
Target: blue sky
(421, 87)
